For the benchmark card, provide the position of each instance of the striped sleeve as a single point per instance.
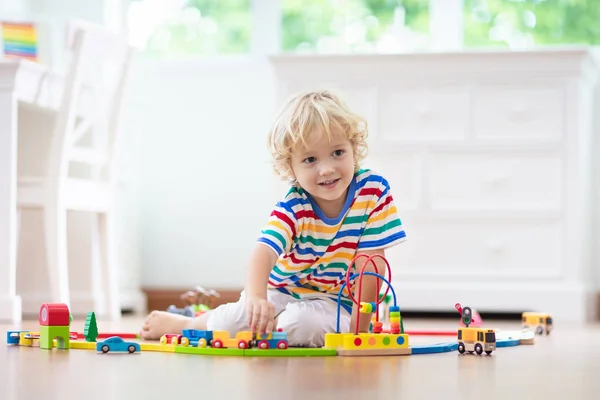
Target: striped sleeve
(280, 231)
(384, 227)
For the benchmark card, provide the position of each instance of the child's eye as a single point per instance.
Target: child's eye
(338, 153)
(309, 160)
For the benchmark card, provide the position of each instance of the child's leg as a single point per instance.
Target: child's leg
(159, 323)
(306, 322)
(232, 317)
(229, 317)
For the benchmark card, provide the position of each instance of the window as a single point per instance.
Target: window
(192, 28)
(519, 24)
(490, 337)
(480, 336)
(357, 26)
(166, 28)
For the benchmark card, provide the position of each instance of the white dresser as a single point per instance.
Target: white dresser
(491, 161)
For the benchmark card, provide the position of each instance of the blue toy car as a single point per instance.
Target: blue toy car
(117, 344)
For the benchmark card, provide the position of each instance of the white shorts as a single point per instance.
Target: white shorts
(305, 321)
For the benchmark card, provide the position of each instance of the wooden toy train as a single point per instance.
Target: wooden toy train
(222, 339)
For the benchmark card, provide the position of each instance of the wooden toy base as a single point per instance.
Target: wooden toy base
(374, 352)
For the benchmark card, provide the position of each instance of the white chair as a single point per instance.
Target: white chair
(85, 134)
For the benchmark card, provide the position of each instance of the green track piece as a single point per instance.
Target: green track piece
(209, 351)
(290, 352)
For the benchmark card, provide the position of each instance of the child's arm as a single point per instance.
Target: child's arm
(260, 312)
(369, 287)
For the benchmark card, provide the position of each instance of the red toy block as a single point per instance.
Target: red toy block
(55, 314)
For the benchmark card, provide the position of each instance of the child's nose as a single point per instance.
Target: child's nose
(325, 170)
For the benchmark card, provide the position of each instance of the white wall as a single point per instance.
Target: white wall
(205, 184)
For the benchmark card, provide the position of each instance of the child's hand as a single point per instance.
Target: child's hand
(261, 314)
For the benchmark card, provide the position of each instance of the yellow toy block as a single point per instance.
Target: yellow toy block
(350, 344)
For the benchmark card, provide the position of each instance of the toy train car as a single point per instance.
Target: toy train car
(222, 339)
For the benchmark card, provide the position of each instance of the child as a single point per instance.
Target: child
(333, 211)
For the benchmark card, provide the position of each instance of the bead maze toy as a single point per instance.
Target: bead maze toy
(374, 343)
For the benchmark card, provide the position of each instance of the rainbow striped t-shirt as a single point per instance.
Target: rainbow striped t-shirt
(314, 251)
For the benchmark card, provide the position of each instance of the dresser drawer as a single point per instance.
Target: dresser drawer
(478, 248)
(501, 181)
(518, 112)
(424, 114)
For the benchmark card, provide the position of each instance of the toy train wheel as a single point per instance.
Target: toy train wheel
(131, 349)
(202, 343)
(282, 345)
(461, 348)
(217, 344)
(163, 340)
(478, 349)
(539, 330)
(263, 345)
(185, 341)
(242, 345)
(174, 341)
(105, 349)
(488, 352)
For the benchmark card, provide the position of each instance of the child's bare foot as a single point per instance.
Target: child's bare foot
(159, 323)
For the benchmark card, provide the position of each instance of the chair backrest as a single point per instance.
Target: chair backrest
(87, 127)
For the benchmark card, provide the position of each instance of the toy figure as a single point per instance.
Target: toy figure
(197, 302)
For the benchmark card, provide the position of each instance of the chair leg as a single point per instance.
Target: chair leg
(97, 284)
(109, 264)
(55, 232)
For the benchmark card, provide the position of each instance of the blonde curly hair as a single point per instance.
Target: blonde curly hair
(309, 112)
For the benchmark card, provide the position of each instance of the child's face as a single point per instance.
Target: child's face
(325, 170)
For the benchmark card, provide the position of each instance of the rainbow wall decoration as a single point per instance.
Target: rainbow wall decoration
(19, 40)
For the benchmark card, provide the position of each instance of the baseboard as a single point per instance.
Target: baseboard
(568, 303)
(161, 298)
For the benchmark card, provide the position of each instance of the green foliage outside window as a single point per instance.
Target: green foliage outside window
(204, 27)
(525, 23)
(351, 25)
